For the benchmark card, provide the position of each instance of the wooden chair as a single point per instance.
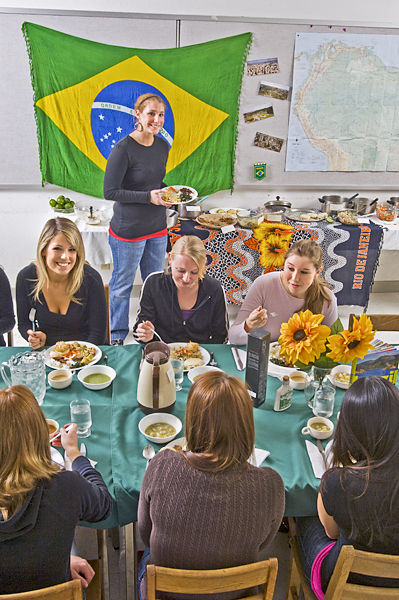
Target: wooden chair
(71, 590)
(380, 322)
(180, 581)
(349, 561)
(106, 291)
(10, 338)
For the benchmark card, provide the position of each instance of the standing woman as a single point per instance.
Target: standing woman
(274, 298)
(66, 293)
(138, 235)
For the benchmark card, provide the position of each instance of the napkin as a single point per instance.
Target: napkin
(68, 464)
(243, 355)
(316, 459)
(257, 457)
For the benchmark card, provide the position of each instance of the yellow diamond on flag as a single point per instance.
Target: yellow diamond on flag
(70, 110)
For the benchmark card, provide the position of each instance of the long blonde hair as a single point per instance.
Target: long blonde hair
(317, 293)
(220, 428)
(69, 230)
(193, 247)
(25, 457)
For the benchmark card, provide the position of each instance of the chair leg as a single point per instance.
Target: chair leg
(131, 561)
(103, 556)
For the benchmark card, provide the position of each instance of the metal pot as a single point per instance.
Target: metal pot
(171, 217)
(394, 200)
(276, 206)
(334, 204)
(364, 206)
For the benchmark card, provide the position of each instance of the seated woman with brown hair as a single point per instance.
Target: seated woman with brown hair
(206, 507)
(358, 502)
(40, 505)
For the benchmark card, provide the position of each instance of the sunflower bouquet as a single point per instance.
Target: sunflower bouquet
(305, 342)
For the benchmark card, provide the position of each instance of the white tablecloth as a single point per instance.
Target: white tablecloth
(391, 231)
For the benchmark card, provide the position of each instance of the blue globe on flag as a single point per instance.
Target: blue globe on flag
(112, 114)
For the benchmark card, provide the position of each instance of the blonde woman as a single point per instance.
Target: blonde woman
(274, 298)
(137, 234)
(66, 293)
(40, 505)
(206, 507)
(185, 304)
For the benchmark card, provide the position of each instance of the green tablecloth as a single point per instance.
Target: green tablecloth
(117, 444)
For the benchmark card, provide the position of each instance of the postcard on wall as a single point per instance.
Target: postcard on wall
(257, 113)
(268, 141)
(280, 92)
(262, 66)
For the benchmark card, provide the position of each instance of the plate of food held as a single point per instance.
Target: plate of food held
(191, 353)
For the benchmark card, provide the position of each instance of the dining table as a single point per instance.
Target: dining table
(117, 445)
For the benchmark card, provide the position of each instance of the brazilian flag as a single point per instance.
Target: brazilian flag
(84, 96)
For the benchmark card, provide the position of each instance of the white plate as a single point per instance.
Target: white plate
(178, 442)
(205, 354)
(178, 188)
(214, 211)
(56, 456)
(275, 370)
(95, 360)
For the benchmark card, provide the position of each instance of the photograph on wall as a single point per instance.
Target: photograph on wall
(280, 92)
(258, 113)
(262, 66)
(268, 141)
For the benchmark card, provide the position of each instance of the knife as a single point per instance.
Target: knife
(321, 450)
(238, 358)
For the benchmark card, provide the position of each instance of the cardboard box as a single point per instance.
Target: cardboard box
(257, 363)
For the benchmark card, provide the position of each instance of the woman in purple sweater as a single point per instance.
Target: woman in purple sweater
(206, 507)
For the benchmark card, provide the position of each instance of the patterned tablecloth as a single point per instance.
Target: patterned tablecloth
(237, 258)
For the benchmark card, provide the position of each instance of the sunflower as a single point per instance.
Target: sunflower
(272, 251)
(348, 345)
(266, 228)
(303, 338)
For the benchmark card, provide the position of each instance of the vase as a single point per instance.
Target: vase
(317, 381)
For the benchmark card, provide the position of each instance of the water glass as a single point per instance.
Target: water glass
(81, 415)
(178, 368)
(323, 401)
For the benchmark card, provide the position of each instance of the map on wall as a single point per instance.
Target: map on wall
(345, 103)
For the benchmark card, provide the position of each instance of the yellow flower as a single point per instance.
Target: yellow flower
(272, 251)
(348, 345)
(266, 228)
(303, 338)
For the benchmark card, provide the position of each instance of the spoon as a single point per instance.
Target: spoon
(105, 360)
(213, 362)
(148, 454)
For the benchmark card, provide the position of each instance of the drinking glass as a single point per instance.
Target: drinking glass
(81, 415)
(323, 402)
(178, 368)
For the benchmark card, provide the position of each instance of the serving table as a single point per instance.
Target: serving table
(117, 444)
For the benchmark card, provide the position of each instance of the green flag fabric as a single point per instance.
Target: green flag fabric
(84, 94)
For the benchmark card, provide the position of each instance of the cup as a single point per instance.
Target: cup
(323, 402)
(319, 428)
(53, 426)
(178, 368)
(81, 415)
(60, 378)
(29, 369)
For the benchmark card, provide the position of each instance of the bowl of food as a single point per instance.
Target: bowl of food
(160, 428)
(60, 378)
(340, 376)
(196, 372)
(97, 377)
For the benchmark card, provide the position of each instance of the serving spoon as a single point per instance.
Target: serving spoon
(148, 454)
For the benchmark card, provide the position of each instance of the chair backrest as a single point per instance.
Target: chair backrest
(71, 590)
(380, 322)
(10, 338)
(106, 291)
(215, 581)
(364, 563)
